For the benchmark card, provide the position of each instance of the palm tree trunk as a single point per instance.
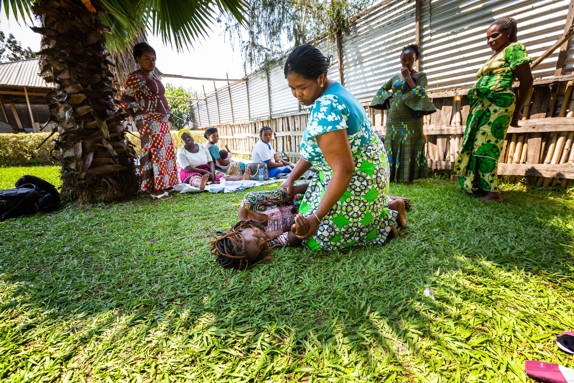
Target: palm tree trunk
(96, 158)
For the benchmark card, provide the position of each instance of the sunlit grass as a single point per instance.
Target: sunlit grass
(128, 292)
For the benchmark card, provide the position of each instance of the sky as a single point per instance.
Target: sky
(214, 57)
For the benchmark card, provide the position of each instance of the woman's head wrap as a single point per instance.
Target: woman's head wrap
(182, 132)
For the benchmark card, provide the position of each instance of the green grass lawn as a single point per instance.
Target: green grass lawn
(128, 292)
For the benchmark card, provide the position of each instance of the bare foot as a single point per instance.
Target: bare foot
(492, 197)
(200, 183)
(408, 205)
(399, 206)
(203, 181)
(247, 174)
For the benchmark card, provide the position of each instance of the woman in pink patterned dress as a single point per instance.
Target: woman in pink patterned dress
(145, 100)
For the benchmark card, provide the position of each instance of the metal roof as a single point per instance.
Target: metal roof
(22, 73)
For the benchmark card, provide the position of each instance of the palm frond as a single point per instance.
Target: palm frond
(18, 9)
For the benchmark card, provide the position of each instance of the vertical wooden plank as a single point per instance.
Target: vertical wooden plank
(269, 100)
(248, 102)
(230, 98)
(418, 32)
(563, 54)
(518, 150)
(217, 104)
(206, 106)
(3, 110)
(16, 117)
(29, 109)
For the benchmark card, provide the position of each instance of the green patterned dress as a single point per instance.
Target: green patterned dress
(492, 104)
(404, 139)
(361, 216)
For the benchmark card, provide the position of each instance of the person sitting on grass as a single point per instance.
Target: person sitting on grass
(269, 220)
(195, 163)
(264, 153)
(223, 164)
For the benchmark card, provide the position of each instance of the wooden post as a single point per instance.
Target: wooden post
(269, 101)
(29, 108)
(16, 117)
(4, 111)
(418, 29)
(248, 102)
(206, 106)
(217, 103)
(198, 113)
(339, 37)
(230, 99)
(456, 112)
(562, 55)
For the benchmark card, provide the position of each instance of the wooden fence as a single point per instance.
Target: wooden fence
(540, 149)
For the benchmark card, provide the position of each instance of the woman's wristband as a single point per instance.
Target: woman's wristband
(317, 218)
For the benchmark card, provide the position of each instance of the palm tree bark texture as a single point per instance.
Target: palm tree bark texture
(94, 153)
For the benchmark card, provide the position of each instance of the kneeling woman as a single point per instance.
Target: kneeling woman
(269, 220)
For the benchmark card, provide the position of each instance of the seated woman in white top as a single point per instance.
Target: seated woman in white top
(263, 152)
(196, 165)
(194, 162)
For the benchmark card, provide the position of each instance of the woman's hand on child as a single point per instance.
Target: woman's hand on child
(287, 187)
(304, 227)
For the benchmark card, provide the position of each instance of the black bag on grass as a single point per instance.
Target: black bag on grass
(31, 195)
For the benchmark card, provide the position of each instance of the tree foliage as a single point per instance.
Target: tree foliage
(178, 23)
(12, 50)
(95, 156)
(273, 30)
(179, 100)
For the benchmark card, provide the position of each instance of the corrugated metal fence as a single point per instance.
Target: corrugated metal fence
(451, 34)
(452, 41)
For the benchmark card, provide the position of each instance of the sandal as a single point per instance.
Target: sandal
(164, 195)
(565, 342)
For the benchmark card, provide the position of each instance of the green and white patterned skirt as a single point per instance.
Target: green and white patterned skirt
(361, 216)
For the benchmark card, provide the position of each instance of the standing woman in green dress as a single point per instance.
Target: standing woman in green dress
(493, 107)
(346, 202)
(404, 95)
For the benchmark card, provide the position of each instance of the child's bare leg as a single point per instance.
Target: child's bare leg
(393, 233)
(399, 206)
(244, 177)
(408, 206)
(293, 240)
(300, 189)
(247, 174)
(200, 183)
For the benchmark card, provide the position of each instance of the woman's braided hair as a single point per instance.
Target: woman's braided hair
(412, 47)
(509, 27)
(307, 61)
(230, 248)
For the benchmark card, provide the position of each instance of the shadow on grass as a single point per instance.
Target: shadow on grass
(119, 287)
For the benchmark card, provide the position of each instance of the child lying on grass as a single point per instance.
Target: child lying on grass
(269, 220)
